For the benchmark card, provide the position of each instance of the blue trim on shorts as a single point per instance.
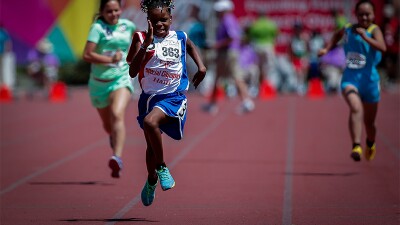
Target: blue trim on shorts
(173, 105)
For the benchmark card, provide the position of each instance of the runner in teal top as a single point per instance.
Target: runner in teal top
(363, 45)
(110, 85)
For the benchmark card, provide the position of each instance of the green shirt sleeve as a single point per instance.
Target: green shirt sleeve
(94, 33)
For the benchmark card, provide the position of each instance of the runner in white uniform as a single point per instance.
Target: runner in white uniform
(159, 57)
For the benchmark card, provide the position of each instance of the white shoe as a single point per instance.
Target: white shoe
(211, 109)
(246, 106)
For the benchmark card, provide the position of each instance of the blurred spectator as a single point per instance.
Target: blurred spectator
(315, 43)
(287, 74)
(299, 56)
(340, 19)
(43, 64)
(5, 41)
(196, 31)
(262, 34)
(249, 63)
(7, 59)
(391, 33)
(195, 28)
(332, 66)
(228, 37)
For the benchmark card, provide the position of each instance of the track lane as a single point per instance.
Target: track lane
(243, 165)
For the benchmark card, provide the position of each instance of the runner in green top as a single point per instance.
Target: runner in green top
(110, 85)
(110, 39)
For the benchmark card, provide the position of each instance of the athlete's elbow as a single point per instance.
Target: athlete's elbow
(384, 49)
(132, 72)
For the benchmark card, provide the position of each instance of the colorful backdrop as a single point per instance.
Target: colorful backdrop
(64, 22)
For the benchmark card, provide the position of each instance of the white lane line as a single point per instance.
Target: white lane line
(287, 194)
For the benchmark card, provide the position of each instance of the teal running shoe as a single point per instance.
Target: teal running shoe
(148, 193)
(166, 180)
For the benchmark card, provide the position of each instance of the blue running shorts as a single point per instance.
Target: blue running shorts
(368, 89)
(173, 105)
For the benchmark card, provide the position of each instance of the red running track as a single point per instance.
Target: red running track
(286, 163)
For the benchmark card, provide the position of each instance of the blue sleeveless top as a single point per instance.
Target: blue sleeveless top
(360, 56)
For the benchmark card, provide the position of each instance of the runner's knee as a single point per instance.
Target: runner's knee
(349, 92)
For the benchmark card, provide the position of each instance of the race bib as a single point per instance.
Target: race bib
(169, 50)
(355, 60)
(111, 54)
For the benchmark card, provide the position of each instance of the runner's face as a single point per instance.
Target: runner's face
(365, 15)
(160, 19)
(111, 12)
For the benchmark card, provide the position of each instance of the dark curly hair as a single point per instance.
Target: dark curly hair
(147, 5)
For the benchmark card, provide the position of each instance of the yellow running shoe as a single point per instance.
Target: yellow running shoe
(370, 152)
(356, 153)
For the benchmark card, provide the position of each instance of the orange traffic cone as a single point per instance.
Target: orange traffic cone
(315, 88)
(219, 93)
(266, 91)
(58, 92)
(5, 94)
